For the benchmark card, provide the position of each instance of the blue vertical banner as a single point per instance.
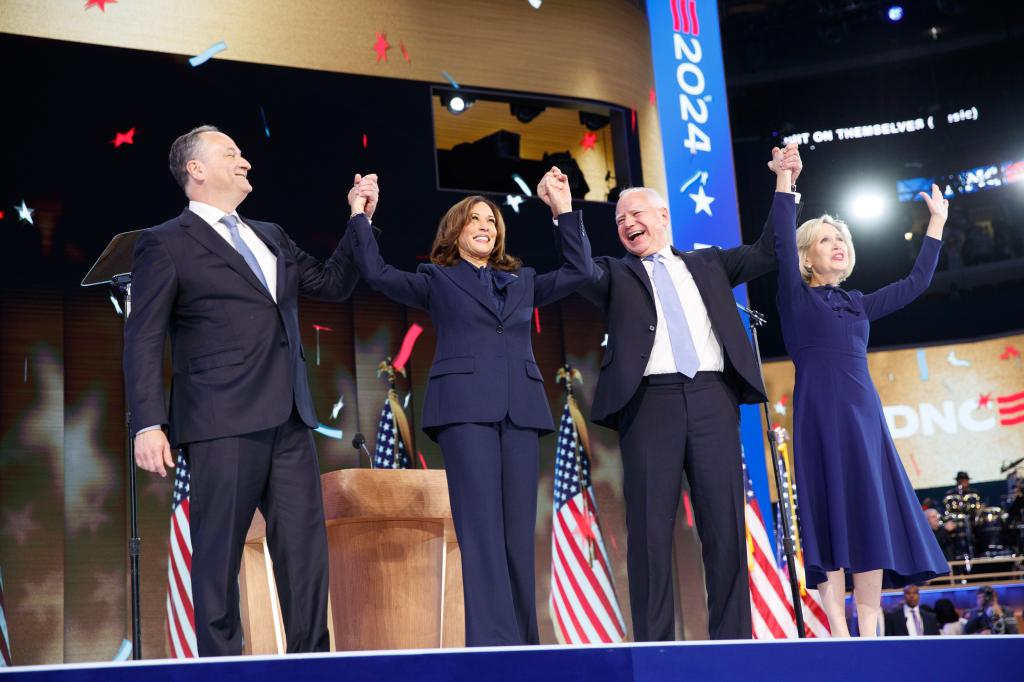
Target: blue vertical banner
(689, 80)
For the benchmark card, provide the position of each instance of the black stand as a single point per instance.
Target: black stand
(756, 320)
(113, 268)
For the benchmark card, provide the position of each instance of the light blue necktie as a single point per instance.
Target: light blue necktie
(679, 337)
(243, 249)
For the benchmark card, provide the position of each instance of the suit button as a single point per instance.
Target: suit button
(499, 329)
(651, 328)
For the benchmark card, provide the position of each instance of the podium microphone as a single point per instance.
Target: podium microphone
(359, 443)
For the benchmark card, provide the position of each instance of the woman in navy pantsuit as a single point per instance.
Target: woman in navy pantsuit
(485, 402)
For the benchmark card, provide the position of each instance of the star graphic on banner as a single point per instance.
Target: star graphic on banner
(514, 200)
(382, 46)
(1010, 351)
(984, 399)
(25, 213)
(589, 140)
(102, 4)
(701, 201)
(123, 138)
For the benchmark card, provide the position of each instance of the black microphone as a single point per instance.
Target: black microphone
(359, 443)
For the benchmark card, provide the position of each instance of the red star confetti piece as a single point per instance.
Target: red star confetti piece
(382, 46)
(102, 4)
(423, 461)
(984, 399)
(632, 118)
(2, 214)
(364, 141)
(1010, 352)
(123, 138)
(652, 97)
(405, 54)
(536, 319)
(589, 140)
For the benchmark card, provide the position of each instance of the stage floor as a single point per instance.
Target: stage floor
(894, 658)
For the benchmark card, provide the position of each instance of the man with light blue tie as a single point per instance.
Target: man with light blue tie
(677, 365)
(226, 290)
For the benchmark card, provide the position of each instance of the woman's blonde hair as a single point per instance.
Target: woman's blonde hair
(807, 233)
(445, 250)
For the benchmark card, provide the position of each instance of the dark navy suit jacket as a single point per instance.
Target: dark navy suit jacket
(236, 355)
(621, 288)
(483, 369)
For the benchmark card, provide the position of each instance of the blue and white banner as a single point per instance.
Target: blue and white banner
(689, 80)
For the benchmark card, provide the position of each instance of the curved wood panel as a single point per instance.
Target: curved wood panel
(591, 49)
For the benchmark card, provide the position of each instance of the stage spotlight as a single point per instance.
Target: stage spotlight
(868, 205)
(908, 235)
(456, 102)
(594, 121)
(525, 113)
(895, 13)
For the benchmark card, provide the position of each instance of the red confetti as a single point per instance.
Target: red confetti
(364, 140)
(776, 426)
(102, 4)
(589, 140)
(2, 214)
(689, 510)
(536, 319)
(381, 47)
(652, 96)
(123, 138)
(983, 399)
(1010, 352)
(423, 462)
(321, 328)
(408, 342)
(632, 114)
(405, 53)
(784, 400)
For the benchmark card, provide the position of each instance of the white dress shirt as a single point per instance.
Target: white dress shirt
(264, 256)
(709, 349)
(908, 614)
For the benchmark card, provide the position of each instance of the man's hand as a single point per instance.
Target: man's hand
(153, 452)
(363, 196)
(786, 159)
(554, 191)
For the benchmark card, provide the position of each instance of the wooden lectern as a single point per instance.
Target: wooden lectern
(396, 570)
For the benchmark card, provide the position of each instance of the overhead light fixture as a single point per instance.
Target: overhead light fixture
(525, 113)
(455, 101)
(594, 121)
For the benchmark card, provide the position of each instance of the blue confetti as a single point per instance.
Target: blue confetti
(448, 77)
(325, 430)
(206, 54)
(266, 126)
(922, 364)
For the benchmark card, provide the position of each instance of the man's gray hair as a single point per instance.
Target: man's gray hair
(183, 150)
(653, 196)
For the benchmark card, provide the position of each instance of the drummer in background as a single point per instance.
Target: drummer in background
(942, 532)
(963, 485)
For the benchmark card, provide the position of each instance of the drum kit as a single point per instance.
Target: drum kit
(987, 531)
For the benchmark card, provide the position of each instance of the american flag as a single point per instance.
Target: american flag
(771, 601)
(5, 640)
(391, 451)
(181, 619)
(583, 604)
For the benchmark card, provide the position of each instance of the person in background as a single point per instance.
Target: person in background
(947, 617)
(858, 512)
(989, 618)
(910, 619)
(942, 532)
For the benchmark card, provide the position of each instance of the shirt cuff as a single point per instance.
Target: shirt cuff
(149, 428)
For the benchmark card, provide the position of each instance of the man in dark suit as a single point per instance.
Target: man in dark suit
(677, 365)
(910, 619)
(226, 290)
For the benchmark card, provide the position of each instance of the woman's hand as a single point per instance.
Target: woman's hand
(938, 206)
(362, 198)
(786, 164)
(554, 191)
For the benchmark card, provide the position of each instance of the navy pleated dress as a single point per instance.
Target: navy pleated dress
(857, 509)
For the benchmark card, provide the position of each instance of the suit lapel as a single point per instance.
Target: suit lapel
(266, 235)
(514, 292)
(637, 266)
(464, 278)
(200, 230)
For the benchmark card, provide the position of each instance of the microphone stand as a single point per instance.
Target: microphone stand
(756, 320)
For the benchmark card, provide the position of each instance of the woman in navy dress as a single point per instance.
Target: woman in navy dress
(858, 512)
(485, 403)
